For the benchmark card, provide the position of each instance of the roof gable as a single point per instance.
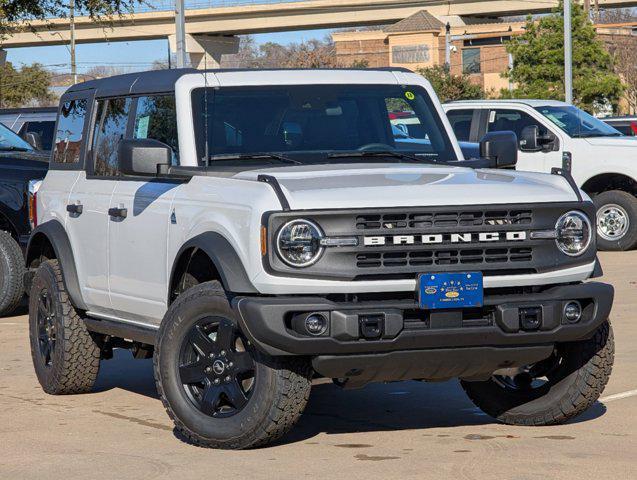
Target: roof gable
(420, 21)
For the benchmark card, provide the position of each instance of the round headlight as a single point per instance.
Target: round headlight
(574, 233)
(299, 243)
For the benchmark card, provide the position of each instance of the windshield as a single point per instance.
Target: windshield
(319, 123)
(577, 123)
(10, 141)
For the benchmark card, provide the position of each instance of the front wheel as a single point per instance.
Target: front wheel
(219, 391)
(616, 220)
(552, 391)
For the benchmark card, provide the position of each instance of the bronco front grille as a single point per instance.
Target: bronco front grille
(396, 243)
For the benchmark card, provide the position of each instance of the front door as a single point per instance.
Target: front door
(138, 237)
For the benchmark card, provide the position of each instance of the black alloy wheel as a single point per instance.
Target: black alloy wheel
(215, 368)
(46, 327)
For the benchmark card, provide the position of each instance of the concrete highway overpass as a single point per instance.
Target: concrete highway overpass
(212, 30)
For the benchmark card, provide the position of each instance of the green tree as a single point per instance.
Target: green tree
(15, 12)
(538, 62)
(26, 85)
(450, 87)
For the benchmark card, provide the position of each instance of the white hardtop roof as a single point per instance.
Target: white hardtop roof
(530, 102)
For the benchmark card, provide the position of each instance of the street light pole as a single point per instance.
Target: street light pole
(448, 46)
(180, 32)
(568, 53)
(72, 30)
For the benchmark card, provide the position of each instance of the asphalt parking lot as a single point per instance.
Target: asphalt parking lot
(400, 430)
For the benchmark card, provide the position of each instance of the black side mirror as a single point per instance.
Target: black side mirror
(142, 156)
(33, 139)
(529, 139)
(500, 149)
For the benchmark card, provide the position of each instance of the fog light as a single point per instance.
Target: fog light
(316, 324)
(573, 312)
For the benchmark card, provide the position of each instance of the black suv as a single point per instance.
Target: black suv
(21, 170)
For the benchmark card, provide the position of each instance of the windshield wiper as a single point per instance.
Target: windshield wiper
(11, 148)
(382, 153)
(256, 156)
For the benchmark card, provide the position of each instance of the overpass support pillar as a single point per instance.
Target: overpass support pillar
(3, 57)
(207, 50)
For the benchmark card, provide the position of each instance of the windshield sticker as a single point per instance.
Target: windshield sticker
(142, 127)
(492, 116)
(410, 95)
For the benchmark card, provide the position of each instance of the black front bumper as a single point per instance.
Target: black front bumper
(413, 343)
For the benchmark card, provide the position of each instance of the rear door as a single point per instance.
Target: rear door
(92, 193)
(138, 241)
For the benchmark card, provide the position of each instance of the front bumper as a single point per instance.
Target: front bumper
(415, 343)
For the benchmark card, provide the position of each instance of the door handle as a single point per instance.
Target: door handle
(75, 209)
(116, 212)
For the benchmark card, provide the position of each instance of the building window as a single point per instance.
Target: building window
(410, 54)
(471, 60)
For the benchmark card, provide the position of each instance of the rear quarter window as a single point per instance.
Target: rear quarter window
(68, 136)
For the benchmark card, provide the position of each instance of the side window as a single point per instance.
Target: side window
(156, 118)
(513, 120)
(68, 138)
(110, 128)
(461, 123)
(42, 130)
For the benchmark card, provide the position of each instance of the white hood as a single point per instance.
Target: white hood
(391, 185)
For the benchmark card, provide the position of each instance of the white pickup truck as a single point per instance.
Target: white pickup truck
(604, 161)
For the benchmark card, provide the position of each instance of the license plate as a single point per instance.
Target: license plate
(450, 290)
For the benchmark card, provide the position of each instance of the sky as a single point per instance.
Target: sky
(137, 55)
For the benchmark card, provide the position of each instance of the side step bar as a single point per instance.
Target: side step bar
(137, 333)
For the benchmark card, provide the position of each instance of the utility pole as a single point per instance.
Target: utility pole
(568, 53)
(448, 47)
(72, 28)
(180, 32)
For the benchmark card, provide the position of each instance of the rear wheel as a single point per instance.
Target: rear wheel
(11, 274)
(616, 220)
(219, 391)
(551, 391)
(65, 355)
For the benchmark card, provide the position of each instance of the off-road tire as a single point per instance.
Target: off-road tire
(11, 274)
(590, 364)
(628, 202)
(75, 359)
(281, 388)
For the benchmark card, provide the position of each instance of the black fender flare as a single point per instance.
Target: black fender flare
(55, 233)
(225, 259)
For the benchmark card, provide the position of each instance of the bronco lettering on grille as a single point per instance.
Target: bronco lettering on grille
(439, 238)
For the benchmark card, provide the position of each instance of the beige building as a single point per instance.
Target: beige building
(477, 49)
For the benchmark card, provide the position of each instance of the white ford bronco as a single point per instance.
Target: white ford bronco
(252, 230)
(604, 163)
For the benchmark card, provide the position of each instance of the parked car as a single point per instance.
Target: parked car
(35, 125)
(603, 159)
(21, 170)
(254, 229)
(626, 125)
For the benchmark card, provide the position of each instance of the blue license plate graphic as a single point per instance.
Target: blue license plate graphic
(450, 290)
